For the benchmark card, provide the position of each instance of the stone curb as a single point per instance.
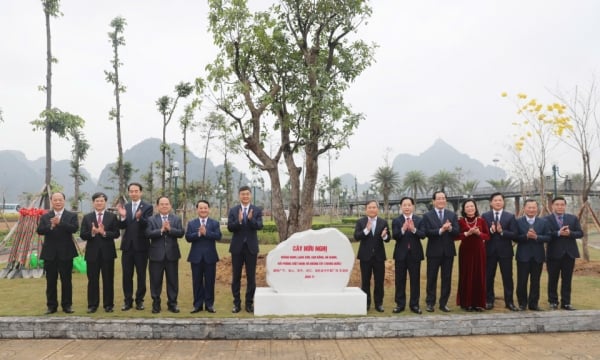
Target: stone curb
(298, 328)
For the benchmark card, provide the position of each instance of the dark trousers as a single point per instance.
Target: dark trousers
(413, 267)
(434, 265)
(375, 268)
(158, 270)
(532, 271)
(107, 269)
(203, 284)
(245, 258)
(131, 260)
(53, 269)
(506, 270)
(562, 267)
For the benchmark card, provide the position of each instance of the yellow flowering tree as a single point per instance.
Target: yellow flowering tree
(537, 130)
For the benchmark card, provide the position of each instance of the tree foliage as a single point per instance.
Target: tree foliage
(414, 181)
(285, 71)
(117, 40)
(387, 181)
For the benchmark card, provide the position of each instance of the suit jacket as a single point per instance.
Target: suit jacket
(371, 245)
(245, 230)
(134, 237)
(58, 242)
(528, 249)
(408, 238)
(561, 245)
(98, 244)
(440, 245)
(164, 246)
(501, 245)
(203, 247)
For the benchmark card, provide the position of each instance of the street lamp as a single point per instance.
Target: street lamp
(555, 175)
(175, 174)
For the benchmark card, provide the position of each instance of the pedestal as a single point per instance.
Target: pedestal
(349, 301)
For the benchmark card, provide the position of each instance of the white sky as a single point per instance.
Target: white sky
(439, 71)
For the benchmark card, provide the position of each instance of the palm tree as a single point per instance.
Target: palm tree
(444, 180)
(501, 185)
(415, 181)
(386, 180)
(469, 186)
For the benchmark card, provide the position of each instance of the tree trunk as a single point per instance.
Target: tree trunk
(48, 174)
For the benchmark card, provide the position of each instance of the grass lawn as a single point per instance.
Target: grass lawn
(26, 297)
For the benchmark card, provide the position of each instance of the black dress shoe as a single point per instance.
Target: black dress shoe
(250, 308)
(126, 307)
(535, 308)
(379, 308)
(68, 310)
(173, 309)
(553, 306)
(489, 306)
(398, 309)
(416, 309)
(155, 310)
(211, 309)
(108, 309)
(50, 311)
(444, 308)
(522, 307)
(429, 308)
(92, 309)
(568, 307)
(512, 307)
(236, 309)
(469, 309)
(479, 309)
(196, 310)
(139, 306)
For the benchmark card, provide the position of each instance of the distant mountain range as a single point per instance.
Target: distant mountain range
(19, 175)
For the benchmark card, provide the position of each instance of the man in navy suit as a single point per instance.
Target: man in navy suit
(243, 222)
(440, 225)
(533, 232)
(163, 230)
(408, 254)
(499, 251)
(58, 226)
(100, 228)
(203, 232)
(372, 231)
(134, 245)
(561, 252)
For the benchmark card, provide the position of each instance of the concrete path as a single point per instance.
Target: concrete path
(583, 345)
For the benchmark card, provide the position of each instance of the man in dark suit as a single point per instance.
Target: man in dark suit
(134, 245)
(499, 250)
(203, 232)
(561, 253)
(408, 254)
(533, 232)
(440, 225)
(58, 226)
(372, 231)
(100, 228)
(163, 230)
(243, 222)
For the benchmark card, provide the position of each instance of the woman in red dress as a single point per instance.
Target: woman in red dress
(474, 231)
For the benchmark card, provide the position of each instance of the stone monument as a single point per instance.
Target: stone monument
(308, 274)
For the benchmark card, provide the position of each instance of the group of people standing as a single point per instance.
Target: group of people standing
(149, 243)
(486, 243)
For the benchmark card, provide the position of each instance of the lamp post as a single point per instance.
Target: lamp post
(175, 174)
(556, 175)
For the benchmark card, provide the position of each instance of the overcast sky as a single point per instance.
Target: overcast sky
(440, 69)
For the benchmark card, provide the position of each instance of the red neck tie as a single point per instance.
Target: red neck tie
(99, 218)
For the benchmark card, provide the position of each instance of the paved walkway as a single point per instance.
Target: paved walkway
(583, 345)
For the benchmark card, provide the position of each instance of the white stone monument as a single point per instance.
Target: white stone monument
(308, 274)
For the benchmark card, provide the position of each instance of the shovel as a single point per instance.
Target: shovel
(15, 273)
(4, 273)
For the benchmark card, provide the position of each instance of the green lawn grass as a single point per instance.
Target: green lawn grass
(26, 297)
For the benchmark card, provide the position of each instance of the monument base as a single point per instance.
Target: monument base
(350, 301)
